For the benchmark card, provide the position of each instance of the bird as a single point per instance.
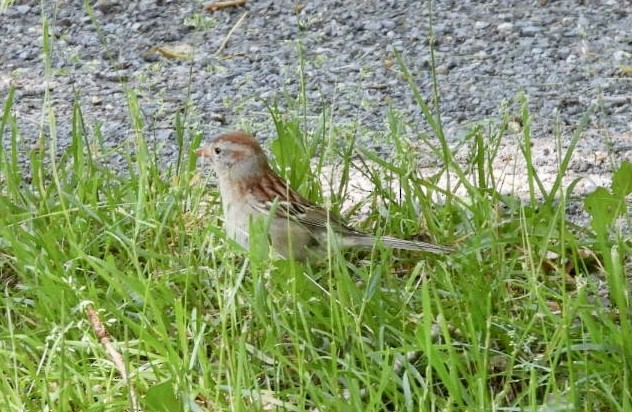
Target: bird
(298, 228)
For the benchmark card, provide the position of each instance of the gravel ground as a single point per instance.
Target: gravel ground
(566, 55)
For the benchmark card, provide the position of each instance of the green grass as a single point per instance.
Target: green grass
(201, 325)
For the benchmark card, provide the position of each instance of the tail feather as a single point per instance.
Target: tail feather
(395, 243)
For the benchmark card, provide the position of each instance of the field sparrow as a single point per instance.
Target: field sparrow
(298, 229)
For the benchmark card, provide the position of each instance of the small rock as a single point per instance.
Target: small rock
(27, 55)
(479, 25)
(388, 24)
(442, 69)
(22, 9)
(219, 118)
(530, 31)
(112, 76)
(372, 25)
(620, 55)
(514, 127)
(163, 134)
(600, 157)
(505, 27)
(107, 6)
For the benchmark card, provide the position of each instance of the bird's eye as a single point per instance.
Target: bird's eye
(218, 150)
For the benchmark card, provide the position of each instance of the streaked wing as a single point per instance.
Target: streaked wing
(318, 217)
(312, 216)
(288, 204)
(315, 218)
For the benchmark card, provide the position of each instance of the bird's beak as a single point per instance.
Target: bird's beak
(203, 152)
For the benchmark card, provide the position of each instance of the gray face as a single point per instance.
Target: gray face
(223, 154)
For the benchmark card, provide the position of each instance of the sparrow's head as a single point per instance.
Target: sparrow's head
(234, 155)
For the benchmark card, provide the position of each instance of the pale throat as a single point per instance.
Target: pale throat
(235, 207)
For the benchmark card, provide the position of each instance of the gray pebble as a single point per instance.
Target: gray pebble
(22, 9)
(530, 30)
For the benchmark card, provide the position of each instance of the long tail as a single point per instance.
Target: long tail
(368, 242)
